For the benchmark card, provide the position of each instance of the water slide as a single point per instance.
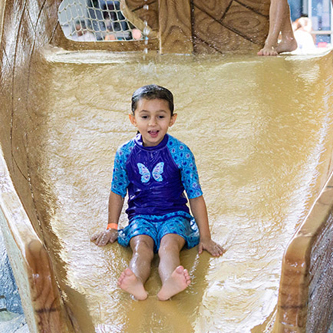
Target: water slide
(261, 131)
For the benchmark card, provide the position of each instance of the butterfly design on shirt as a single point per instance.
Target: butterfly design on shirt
(146, 174)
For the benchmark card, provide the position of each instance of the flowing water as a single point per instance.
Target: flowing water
(258, 128)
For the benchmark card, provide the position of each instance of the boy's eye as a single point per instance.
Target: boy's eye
(161, 117)
(144, 117)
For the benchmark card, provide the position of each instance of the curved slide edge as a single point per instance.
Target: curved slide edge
(41, 300)
(305, 302)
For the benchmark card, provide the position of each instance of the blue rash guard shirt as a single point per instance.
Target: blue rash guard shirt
(155, 177)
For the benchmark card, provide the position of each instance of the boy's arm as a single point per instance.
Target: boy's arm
(199, 211)
(116, 202)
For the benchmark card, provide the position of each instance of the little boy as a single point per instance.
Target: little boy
(155, 169)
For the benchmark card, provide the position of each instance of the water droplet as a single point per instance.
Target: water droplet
(146, 7)
(146, 31)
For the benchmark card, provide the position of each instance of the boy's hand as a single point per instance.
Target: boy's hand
(105, 237)
(213, 248)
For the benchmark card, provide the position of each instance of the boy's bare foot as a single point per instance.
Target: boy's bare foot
(129, 282)
(177, 282)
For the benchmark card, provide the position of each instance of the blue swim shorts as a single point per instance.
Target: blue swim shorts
(180, 223)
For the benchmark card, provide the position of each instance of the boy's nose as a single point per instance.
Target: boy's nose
(152, 121)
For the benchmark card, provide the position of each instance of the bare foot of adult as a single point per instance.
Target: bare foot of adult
(267, 51)
(286, 45)
(177, 282)
(129, 282)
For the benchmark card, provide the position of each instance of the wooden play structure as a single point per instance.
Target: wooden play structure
(190, 27)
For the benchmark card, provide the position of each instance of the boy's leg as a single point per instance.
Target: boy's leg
(174, 277)
(134, 277)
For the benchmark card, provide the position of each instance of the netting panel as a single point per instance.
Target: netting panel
(95, 20)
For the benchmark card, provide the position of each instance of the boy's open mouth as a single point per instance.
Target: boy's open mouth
(153, 133)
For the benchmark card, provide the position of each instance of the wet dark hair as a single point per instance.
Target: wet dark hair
(152, 91)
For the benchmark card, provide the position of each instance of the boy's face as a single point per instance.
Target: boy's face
(153, 119)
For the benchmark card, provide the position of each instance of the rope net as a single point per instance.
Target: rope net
(95, 20)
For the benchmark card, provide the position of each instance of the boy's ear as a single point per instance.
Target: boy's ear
(173, 119)
(132, 119)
